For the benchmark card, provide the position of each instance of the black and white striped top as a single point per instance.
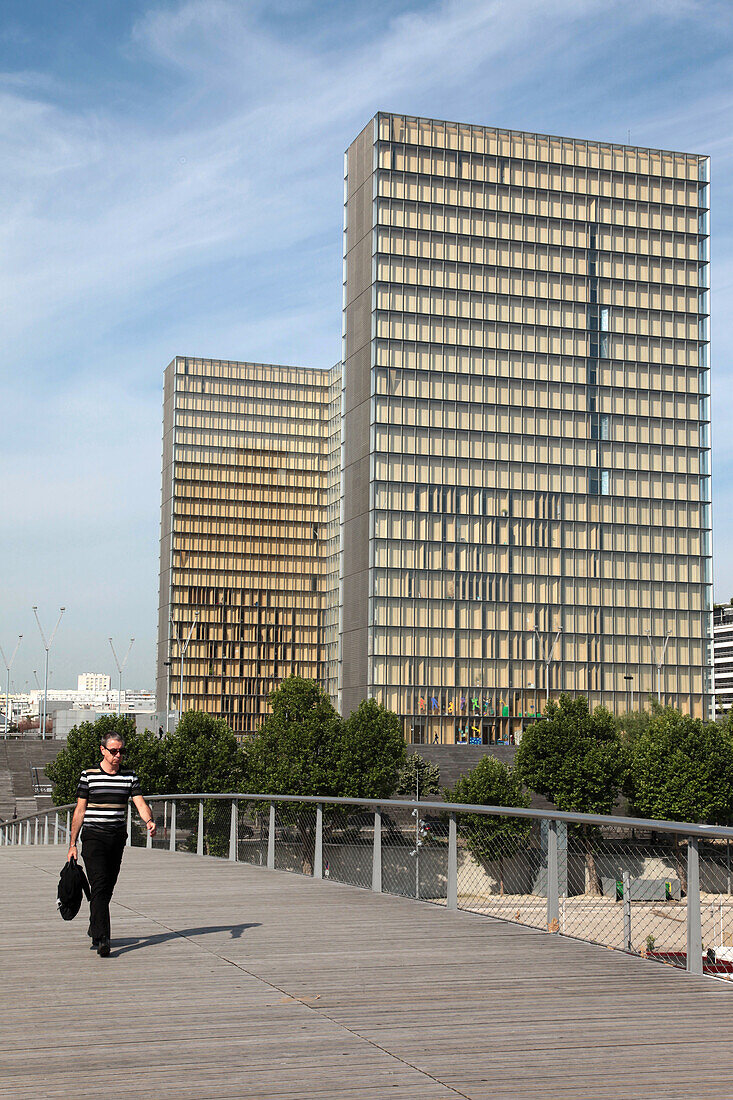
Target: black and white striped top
(107, 797)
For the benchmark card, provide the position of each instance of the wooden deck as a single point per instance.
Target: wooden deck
(231, 981)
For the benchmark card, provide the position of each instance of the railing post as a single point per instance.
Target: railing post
(553, 889)
(28, 833)
(694, 929)
(318, 854)
(233, 832)
(172, 840)
(149, 837)
(271, 840)
(46, 830)
(68, 825)
(56, 828)
(35, 831)
(627, 910)
(129, 825)
(451, 898)
(200, 834)
(377, 853)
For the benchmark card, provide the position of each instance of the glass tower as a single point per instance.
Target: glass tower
(245, 531)
(525, 483)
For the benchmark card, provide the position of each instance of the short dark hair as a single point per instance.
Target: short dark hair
(112, 736)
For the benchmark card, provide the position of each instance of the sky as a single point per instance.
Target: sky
(171, 183)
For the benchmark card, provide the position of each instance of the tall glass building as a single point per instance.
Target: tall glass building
(246, 527)
(526, 426)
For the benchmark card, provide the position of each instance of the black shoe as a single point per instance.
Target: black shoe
(103, 948)
(94, 945)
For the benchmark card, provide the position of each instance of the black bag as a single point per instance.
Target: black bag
(72, 883)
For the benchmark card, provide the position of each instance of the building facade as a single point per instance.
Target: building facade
(526, 426)
(93, 681)
(723, 658)
(245, 535)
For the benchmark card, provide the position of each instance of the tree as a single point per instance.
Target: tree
(576, 759)
(296, 752)
(681, 769)
(488, 837)
(418, 774)
(371, 752)
(203, 755)
(143, 754)
(303, 748)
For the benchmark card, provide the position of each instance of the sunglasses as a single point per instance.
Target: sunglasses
(114, 752)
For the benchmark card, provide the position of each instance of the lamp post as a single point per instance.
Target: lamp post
(120, 669)
(47, 645)
(660, 662)
(630, 688)
(167, 694)
(548, 661)
(182, 652)
(8, 666)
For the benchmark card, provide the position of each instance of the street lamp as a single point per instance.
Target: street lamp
(120, 669)
(182, 652)
(167, 694)
(547, 662)
(47, 645)
(630, 688)
(660, 662)
(7, 691)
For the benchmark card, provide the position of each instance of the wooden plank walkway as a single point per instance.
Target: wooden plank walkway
(231, 981)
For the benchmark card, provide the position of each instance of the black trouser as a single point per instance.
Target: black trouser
(101, 851)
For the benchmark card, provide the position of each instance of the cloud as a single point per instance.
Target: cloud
(191, 203)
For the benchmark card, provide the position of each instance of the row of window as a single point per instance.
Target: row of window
(517, 336)
(575, 592)
(560, 239)
(514, 145)
(534, 409)
(447, 373)
(419, 202)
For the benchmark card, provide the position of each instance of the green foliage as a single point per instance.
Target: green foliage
(371, 752)
(681, 769)
(573, 757)
(420, 774)
(297, 748)
(143, 754)
(203, 755)
(490, 783)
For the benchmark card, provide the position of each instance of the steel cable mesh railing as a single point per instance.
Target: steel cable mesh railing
(253, 830)
(716, 908)
(348, 845)
(502, 868)
(415, 853)
(295, 837)
(625, 889)
(217, 818)
(655, 889)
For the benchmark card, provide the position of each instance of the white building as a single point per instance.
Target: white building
(93, 681)
(723, 658)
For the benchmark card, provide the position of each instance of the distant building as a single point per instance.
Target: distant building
(248, 563)
(723, 658)
(93, 681)
(526, 437)
(102, 701)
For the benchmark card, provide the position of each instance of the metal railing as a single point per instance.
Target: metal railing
(660, 889)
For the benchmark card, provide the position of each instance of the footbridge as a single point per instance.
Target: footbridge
(339, 949)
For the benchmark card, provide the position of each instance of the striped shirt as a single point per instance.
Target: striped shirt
(107, 797)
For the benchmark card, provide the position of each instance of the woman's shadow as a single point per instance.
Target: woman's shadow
(134, 943)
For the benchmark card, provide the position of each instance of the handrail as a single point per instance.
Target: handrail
(535, 864)
(720, 832)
